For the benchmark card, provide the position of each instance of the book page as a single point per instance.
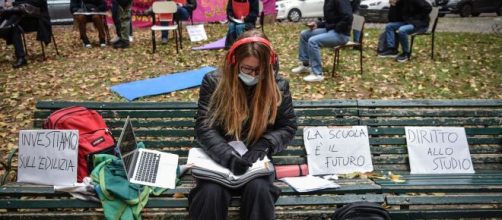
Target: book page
(199, 159)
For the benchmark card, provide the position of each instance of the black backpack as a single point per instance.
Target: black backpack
(361, 211)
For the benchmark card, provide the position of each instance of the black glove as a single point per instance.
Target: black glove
(238, 166)
(257, 150)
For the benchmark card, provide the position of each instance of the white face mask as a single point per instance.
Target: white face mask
(248, 80)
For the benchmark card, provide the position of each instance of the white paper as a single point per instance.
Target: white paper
(239, 21)
(48, 157)
(337, 150)
(89, 13)
(438, 150)
(196, 32)
(309, 183)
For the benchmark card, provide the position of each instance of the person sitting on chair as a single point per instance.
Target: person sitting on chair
(184, 12)
(333, 31)
(241, 15)
(23, 16)
(405, 17)
(89, 6)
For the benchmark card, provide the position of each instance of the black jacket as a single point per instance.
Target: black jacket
(415, 12)
(191, 5)
(87, 5)
(213, 139)
(337, 15)
(40, 23)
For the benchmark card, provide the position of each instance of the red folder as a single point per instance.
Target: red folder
(291, 170)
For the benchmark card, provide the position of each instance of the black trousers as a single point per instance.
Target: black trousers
(210, 200)
(13, 34)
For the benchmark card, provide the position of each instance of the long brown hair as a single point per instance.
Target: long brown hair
(229, 107)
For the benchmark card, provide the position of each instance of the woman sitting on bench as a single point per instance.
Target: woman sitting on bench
(86, 11)
(245, 101)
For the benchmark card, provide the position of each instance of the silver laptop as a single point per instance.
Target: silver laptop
(143, 166)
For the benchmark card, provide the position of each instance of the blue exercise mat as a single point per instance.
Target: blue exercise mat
(162, 84)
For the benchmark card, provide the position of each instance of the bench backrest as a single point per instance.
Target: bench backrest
(169, 126)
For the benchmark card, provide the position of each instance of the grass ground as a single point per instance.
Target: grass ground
(466, 66)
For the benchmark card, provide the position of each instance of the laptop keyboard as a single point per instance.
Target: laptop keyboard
(148, 167)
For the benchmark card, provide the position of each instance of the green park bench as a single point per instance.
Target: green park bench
(168, 126)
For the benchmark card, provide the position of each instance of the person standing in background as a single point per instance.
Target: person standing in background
(269, 11)
(124, 13)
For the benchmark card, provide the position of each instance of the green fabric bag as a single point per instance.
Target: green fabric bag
(120, 198)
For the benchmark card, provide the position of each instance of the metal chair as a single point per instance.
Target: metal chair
(431, 30)
(164, 11)
(357, 25)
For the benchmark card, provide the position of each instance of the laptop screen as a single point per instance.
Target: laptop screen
(127, 141)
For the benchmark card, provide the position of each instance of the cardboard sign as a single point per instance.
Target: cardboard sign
(196, 32)
(48, 157)
(438, 150)
(337, 150)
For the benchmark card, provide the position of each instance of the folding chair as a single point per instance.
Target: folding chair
(431, 29)
(44, 12)
(41, 44)
(357, 25)
(164, 10)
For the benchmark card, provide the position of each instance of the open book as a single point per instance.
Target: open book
(203, 167)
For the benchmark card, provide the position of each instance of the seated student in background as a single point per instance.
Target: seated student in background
(333, 31)
(183, 13)
(89, 6)
(33, 16)
(405, 18)
(245, 11)
(246, 100)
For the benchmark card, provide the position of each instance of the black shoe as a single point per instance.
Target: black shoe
(86, 43)
(388, 53)
(121, 44)
(20, 62)
(403, 57)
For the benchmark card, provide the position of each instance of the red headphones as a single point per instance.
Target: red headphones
(231, 57)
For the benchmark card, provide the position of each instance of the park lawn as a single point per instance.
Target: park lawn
(466, 66)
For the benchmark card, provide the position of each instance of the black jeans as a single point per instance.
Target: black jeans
(209, 200)
(13, 33)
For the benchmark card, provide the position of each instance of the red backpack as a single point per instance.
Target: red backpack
(94, 135)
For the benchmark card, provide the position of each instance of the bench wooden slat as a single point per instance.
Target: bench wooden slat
(488, 198)
(430, 103)
(428, 113)
(431, 122)
(445, 213)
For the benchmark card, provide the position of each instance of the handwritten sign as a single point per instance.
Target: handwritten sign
(337, 150)
(196, 32)
(438, 150)
(48, 157)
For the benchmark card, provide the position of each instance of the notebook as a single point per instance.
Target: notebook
(143, 166)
